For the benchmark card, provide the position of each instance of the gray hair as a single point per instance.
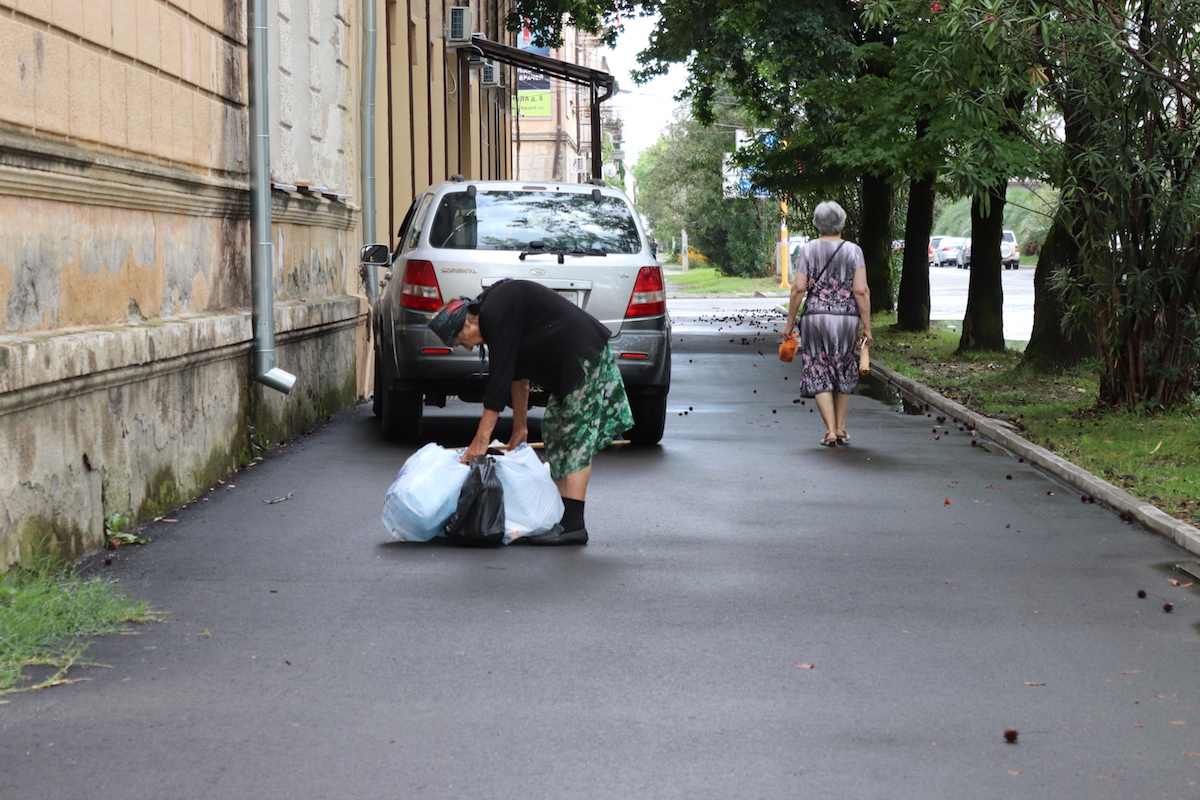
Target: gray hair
(829, 218)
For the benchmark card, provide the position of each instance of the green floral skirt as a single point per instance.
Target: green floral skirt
(583, 423)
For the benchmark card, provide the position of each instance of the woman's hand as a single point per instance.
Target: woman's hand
(483, 437)
(866, 340)
(518, 438)
(787, 329)
(473, 451)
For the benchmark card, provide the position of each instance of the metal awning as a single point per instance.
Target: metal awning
(594, 79)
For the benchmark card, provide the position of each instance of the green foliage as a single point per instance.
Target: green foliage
(117, 533)
(742, 242)
(1131, 191)
(680, 187)
(709, 280)
(1027, 214)
(46, 615)
(978, 93)
(546, 18)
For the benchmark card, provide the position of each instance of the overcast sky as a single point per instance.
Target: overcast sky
(648, 108)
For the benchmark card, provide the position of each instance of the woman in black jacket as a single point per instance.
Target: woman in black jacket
(535, 335)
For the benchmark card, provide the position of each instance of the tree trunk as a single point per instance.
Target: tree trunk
(1053, 345)
(983, 325)
(875, 239)
(912, 307)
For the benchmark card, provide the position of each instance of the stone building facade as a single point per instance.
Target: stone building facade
(125, 289)
(552, 133)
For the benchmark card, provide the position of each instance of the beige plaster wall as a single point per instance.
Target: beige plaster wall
(125, 328)
(125, 331)
(312, 49)
(153, 78)
(434, 115)
(137, 419)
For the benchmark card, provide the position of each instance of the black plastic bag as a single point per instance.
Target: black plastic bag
(479, 519)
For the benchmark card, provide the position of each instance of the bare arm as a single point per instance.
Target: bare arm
(483, 436)
(798, 287)
(862, 296)
(520, 407)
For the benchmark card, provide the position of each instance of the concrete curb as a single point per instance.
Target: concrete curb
(1125, 504)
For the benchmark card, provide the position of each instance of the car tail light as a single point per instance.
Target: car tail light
(419, 288)
(649, 298)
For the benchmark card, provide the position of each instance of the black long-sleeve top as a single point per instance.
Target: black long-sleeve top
(534, 333)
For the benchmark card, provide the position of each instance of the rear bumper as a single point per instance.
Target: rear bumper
(642, 351)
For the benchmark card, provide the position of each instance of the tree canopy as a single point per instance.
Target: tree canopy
(1099, 97)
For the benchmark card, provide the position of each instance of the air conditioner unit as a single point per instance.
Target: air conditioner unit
(490, 76)
(475, 58)
(583, 165)
(458, 27)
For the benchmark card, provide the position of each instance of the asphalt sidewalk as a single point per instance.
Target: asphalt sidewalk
(1001, 434)
(756, 616)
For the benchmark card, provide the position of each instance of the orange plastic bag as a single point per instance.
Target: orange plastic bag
(787, 348)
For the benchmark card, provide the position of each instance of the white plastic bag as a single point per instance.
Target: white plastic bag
(424, 494)
(532, 504)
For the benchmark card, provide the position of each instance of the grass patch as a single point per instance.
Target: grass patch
(1153, 457)
(46, 615)
(708, 280)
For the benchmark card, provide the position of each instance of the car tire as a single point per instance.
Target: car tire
(377, 394)
(400, 414)
(649, 418)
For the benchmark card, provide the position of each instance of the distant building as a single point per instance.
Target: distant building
(551, 132)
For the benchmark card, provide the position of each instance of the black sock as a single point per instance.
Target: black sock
(572, 518)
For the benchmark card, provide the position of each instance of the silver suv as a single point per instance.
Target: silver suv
(1010, 251)
(459, 237)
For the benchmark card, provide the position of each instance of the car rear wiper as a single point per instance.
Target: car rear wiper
(578, 251)
(538, 247)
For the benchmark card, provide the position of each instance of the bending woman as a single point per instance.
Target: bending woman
(535, 334)
(831, 278)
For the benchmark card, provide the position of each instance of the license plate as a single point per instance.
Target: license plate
(570, 294)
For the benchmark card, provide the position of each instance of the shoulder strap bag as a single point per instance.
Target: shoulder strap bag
(827, 263)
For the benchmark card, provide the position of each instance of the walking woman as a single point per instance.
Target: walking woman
(831, 279)
(534, 333)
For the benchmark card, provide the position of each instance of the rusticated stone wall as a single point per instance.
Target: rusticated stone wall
(125, 328)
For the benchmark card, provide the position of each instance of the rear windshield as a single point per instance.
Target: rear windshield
(513, 220)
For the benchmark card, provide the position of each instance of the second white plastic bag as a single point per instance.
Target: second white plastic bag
(532, 504)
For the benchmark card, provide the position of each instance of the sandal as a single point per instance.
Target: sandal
(843, 438)
(827, 442)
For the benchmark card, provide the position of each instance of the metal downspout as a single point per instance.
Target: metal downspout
(597, 141)
(262, 284)
(370, 53)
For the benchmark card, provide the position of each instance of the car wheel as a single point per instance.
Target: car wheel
(649, 418)
(400, 414)
(377, 394)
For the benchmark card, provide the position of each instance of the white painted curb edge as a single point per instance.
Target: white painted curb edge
(1185, 535)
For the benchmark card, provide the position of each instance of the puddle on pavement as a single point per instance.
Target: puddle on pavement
(879, 389)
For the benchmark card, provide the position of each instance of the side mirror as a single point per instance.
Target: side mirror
(376, 255)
